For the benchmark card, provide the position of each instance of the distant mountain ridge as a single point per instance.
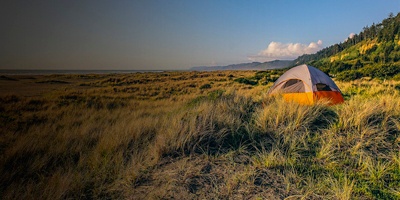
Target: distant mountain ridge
(275, 64)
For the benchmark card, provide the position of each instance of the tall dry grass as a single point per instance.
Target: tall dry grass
(228, 141)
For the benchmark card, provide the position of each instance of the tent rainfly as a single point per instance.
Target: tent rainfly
(306, 85)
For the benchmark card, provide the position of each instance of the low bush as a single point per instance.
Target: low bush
(205, 86)
(246, 81)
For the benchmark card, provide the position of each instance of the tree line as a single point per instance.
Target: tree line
(380, 60)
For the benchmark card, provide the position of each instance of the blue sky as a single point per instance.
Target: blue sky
(174, 34)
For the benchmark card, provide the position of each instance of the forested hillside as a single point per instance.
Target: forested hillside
(374, 52)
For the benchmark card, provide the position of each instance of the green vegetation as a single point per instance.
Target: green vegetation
(205, 86)
(374, 52)
(246, 81)
(262, 77)
(164, 137)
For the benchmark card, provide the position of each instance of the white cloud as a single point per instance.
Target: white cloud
(351, 35)
(277, 50)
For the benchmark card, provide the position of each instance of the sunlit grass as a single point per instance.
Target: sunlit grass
(163, 135)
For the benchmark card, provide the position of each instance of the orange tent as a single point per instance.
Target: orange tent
(306, 85)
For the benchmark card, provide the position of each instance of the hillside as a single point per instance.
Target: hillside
(276, 64)
(374, 52)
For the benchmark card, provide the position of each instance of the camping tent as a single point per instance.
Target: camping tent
(306, 84)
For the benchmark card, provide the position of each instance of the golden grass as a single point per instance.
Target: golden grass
(163, 135)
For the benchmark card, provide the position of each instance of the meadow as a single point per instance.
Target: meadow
(194, 135)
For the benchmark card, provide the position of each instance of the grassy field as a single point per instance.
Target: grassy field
(194, 135)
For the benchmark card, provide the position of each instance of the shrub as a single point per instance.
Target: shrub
(246, 81)
(349, 75)
(205, 86)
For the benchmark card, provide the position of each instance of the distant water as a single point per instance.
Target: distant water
(49, 72)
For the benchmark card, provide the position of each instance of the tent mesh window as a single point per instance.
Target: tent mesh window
(323, 87)
(293, 86)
